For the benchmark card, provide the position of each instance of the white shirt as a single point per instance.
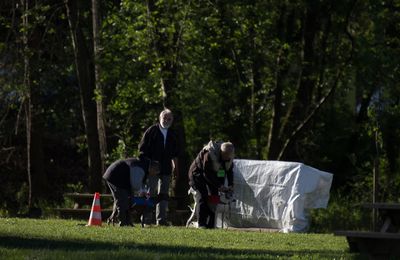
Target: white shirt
(164, 131)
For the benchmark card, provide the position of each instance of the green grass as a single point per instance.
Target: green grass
(68, 239)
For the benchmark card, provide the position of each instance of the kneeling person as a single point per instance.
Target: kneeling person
(125, 178)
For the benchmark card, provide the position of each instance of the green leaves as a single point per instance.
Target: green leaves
(235, 69)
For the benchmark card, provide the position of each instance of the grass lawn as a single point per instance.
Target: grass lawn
(69, 239)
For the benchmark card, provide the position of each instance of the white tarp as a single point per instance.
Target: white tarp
(276, 195)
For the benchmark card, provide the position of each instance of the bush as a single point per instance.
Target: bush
(342, 213)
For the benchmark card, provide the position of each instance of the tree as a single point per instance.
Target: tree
(31, 34)
(166, 35)
(83, 53)
(99, 89)
(314, 85)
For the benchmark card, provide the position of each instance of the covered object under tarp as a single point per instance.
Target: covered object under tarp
(276, 195)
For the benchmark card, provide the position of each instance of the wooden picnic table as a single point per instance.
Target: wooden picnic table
(389, 215)
(384, 243)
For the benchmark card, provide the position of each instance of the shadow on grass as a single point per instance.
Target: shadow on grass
(15, 242)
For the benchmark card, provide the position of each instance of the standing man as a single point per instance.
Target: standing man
(125, 178)
(160, 143)
(207, 176)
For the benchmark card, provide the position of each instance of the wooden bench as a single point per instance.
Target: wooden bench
(82, 203)
(384, 241)
(389, 216)
(81, 200)
(376, 244)
(69, 213)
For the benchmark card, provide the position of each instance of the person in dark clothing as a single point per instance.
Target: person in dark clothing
(207, 176)
(160, 143)
(125, 178)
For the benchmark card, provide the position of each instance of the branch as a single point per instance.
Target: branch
(180, 33)
(21, 107)
(302, 125)
(9, 151)
(309, 117)
(5, 115)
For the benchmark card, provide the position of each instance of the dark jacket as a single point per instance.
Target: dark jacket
(205, 166)
(152, 147)
(118, 173)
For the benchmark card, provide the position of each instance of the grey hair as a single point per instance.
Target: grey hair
(165, 111)
(228, 147)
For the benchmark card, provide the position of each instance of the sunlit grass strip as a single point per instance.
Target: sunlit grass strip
(54, 239)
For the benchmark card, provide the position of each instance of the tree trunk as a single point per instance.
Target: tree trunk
(274, 135)
(168, 83)
(305, 91)
(256, 86)
(275, 126)
(282, 127)
(99, 89)
(164, 50)
(86, 78)
(37, 182)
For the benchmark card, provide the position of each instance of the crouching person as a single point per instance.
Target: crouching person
(125, 178)
(207, 176)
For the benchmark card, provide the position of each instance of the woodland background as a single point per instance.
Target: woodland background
(312, 81)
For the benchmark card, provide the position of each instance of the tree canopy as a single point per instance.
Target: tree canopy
(313, 81)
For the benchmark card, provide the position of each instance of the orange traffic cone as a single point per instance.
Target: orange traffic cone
(95, 213)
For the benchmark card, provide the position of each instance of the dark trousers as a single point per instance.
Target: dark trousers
(205, 215)
(120, 214)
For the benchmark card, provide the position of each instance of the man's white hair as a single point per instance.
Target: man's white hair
(166, 111)
(228, 147)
